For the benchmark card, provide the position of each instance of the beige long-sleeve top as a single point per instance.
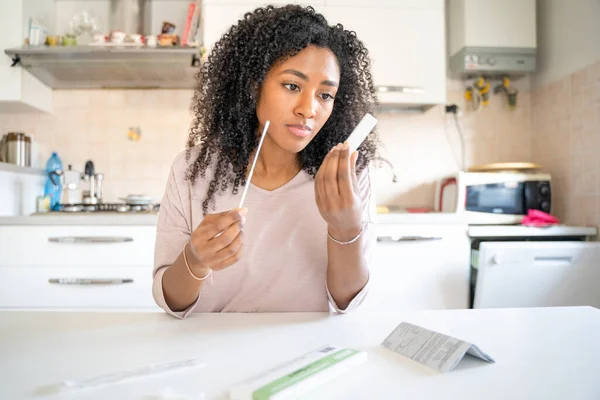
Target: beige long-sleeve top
(284, 260)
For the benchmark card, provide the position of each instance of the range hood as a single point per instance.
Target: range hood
(107, 67)
(112, 67)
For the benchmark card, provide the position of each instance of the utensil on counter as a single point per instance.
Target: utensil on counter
(138, 199)
(15, 148)
(94, 194)
(89, 196)
(71, 186)
(99, 180)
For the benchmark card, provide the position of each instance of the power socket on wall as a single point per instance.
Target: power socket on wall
(452, 109)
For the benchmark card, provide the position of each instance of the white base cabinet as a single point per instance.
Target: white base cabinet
(76, 267)
(419, 267)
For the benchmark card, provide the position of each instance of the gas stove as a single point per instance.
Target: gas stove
(106, 207)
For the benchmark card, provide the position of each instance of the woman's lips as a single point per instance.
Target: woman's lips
(300, 131)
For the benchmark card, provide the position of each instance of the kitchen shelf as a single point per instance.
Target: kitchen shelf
(21, 170)
(100, 51)
(114, 67)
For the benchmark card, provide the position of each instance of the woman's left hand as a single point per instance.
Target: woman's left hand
(337, 195)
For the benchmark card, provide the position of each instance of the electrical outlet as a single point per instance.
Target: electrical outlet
(451, 109)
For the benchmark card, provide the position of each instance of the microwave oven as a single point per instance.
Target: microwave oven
(490, 198)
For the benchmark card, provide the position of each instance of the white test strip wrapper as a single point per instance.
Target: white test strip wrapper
(362, 130)
(299, 376)
(119, 376)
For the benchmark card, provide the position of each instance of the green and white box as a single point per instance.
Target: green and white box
(299, 376)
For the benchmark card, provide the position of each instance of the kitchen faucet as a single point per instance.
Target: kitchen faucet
(385, 160)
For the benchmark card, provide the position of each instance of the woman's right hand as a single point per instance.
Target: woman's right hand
(217, 242)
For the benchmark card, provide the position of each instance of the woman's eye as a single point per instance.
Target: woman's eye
(291, 86)
(327, 96)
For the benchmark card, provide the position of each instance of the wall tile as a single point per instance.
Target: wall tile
(574, 143)
(93, 124)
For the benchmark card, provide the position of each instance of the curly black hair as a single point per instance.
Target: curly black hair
(225, 95)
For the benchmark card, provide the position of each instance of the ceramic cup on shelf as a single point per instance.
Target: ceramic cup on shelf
(118, 37)
(99, 38)
(151, 40)
(136, 38)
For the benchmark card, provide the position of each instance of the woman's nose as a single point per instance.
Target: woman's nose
(306, 106)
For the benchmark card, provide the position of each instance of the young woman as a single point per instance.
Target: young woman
(303, 238)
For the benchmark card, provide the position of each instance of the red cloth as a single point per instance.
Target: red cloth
(539, 218)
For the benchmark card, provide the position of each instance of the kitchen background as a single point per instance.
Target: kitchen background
(427, 56)
(93, 124)
(556, 124)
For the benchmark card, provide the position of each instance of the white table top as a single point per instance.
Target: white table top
(543, 353)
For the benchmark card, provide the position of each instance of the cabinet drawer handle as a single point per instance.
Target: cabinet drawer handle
(89, 281)
(401, 89)
(540, 260)
(407, 238)
(90, 239)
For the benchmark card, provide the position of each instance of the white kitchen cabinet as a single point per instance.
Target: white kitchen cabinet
(405, 39)
(76, 267)
(219, 15)
(314, 3)
(384, 3)
(19, 90)
(74, 287)
(77, 245)
(218, 18)
(250, 4)
(222, 13)
(406, 46)
(253, 3)
(422, 266)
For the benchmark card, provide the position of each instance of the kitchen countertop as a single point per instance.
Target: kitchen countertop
(508, 231)
(383, 220)
(540, 353)
(104, 218)
(115, 218)
(435, 218)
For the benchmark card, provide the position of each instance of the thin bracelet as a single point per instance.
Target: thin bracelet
(190, 271)
(354, 239)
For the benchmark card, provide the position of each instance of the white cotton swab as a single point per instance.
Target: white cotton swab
(262, 138)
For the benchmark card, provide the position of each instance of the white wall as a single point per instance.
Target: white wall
(568, 37)
(19, 191)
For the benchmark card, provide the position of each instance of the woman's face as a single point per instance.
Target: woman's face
(297, 96)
